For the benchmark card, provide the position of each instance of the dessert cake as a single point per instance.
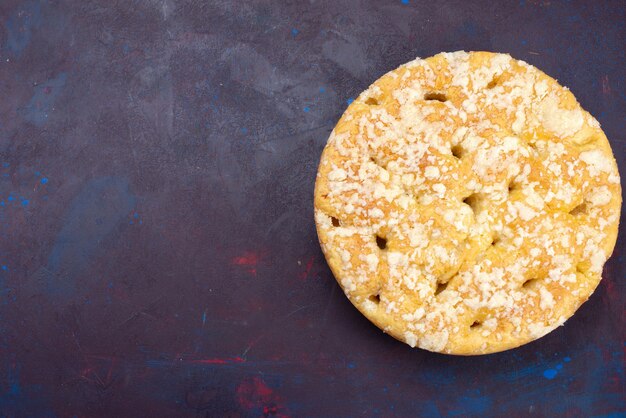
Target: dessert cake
(466, 203)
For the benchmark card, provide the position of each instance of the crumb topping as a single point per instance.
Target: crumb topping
(466, 203)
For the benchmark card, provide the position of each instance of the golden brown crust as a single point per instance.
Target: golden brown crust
(494, 196)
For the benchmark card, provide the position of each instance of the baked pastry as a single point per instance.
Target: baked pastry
(466, 203)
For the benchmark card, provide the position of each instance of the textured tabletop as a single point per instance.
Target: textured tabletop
(158, 254)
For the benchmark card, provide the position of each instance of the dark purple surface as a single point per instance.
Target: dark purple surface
(158, 255)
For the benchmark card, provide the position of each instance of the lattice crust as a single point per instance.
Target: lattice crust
(466, 203)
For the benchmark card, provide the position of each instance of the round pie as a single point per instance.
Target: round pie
(466, 203)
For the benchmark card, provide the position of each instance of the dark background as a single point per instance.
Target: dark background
(158, 255)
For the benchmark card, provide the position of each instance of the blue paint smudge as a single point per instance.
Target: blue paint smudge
(92, 215)
(351, 365)
(204, 318)
(135, 215)
(25, 202)
(13, 379)
(322, 90)
(11, 198)
(430, 410)
(559, 366)
(350, 100)
(474, 405)
(44, 180)
(15, 389)
(158, 364)
(306, 109)
(294, 32)
(550, 374)
(405, 1)
(20, 26)
(5, 165)
(4, 267)
(244, 130)
(17, 399)
(527, 372)
(439, 377)
(524, 42)
(40, 105)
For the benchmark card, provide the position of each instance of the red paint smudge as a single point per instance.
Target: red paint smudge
(307, 271)
(253, 393)
(85, 371)
(99, 370)
(219, 360)
(606, 87)
(270, 410)
(249, 259)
